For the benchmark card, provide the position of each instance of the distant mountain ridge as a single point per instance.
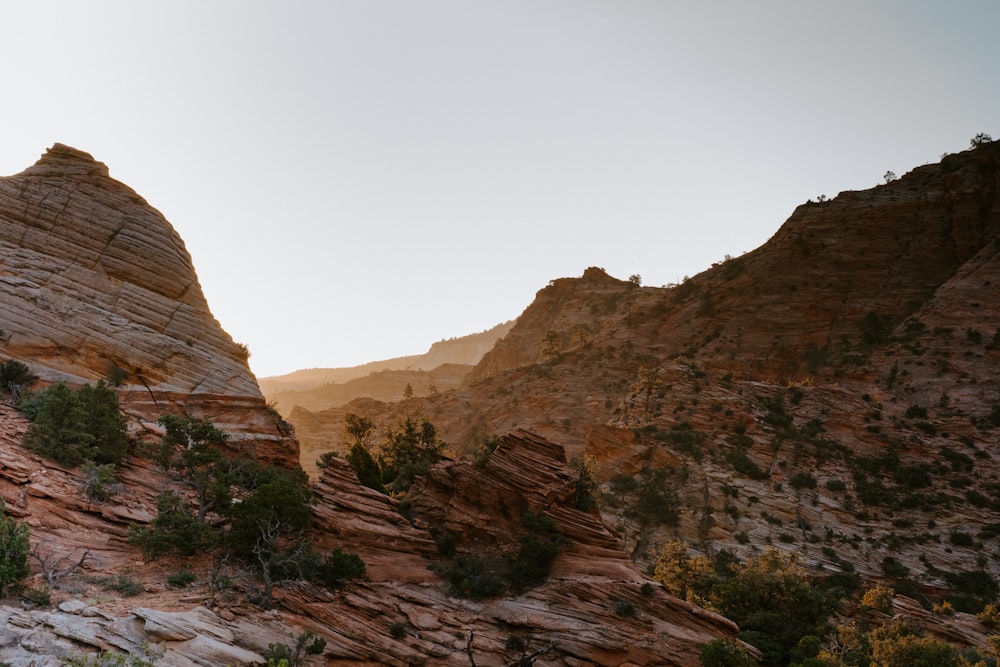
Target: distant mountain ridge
(442, 367)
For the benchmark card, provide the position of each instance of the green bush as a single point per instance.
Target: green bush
(656, 503)
(181, 579)
(175, 529)
(105, 423)
(802, 480)
(71, 427)
(96, 479)
(775, 604)
(280, 502)
(307, 643)
(586, 485)
(112, 659)
(725, 653)
(894, 569)
(835, 485)
(741, 462)
(123, 584)
(475, 577)
(365, 467)
(539, 547)
(408, 452)
(59, 430)
(338, 568)
(624, 608)
(13, 553)
(15, 376)
(193, 448)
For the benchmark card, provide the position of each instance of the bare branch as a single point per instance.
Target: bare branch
(63, 566)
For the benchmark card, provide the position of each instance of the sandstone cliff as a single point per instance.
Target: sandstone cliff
(97, 284)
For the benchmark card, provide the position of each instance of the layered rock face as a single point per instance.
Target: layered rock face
(401, 613)
(573, 617)
(95, 282)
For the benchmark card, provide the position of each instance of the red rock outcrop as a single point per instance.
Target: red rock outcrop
(96, 283)
(575, 614)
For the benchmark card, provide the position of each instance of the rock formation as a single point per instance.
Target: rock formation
(97, 284)
(400, 614)
(833, 392)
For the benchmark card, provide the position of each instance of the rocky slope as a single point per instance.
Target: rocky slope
(100, 286)
(832, 392)
(97, 284)
(401, 614)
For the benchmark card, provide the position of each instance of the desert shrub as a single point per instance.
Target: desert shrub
(913, 651)
(913, 477)
(485, 448)
(306, 644)
(337, 568)
(112, 659)
(688, 577)
(775, 604)
(624, 608)
(893, 568)
(656, 502)
(540, 545)
(960, 538)
(684, 438)
(879, 598)
(959, 462)
(175, 529)
(276, 511)
(980, 139)
(96, 480)
(741, 462)
(192, 449)
(407, 453)
(13, 553)
(802, 480)
(475, 576)
(181, 579)
(586, 485)
(835, 485)
(15, 376)
(37, 596)
(325, 459)
(122, 584)
(975, 582)
(875, 329)
(989, 616)
(725, 653)
(58, 430)
(365, 467)
(71, 427)
(104, 422)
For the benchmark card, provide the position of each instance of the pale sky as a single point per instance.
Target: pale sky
(358, 179)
